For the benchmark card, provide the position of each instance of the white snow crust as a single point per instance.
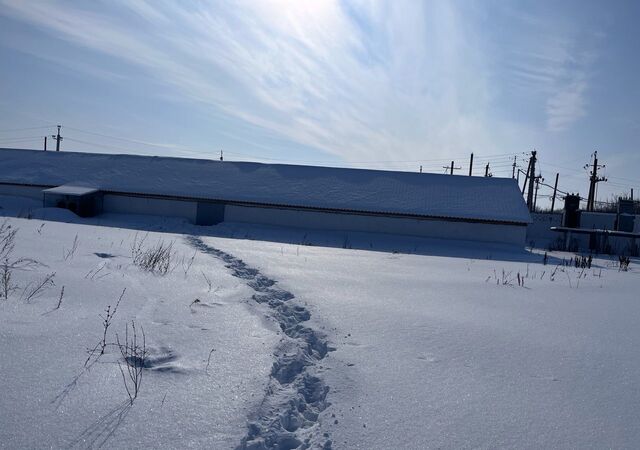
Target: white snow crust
(431, 344)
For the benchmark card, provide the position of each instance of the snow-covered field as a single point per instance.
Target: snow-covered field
(434, 346)
(48, 397)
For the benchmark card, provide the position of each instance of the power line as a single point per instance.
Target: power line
(624, 179)
(95, 144)
(25, 129)
(153, 144)
(20, 138)
(133, 141)
(500, 162)
(408, 161)
(565, 168)
(398, 164)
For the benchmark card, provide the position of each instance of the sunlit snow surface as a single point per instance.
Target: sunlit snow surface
(432, 350)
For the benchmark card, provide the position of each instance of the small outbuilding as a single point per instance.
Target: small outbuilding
(84, 201)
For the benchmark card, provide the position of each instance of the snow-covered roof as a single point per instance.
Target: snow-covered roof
(70, 189)
(375, 191)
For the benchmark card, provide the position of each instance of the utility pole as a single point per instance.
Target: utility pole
(524, 185)
(555, 190)
(535, 198)
(531, 175)
(486, 171)
(451, 168)
(593, 180)
(513, 170)
(420, 168)
(471, 164)
(221, 156)
(58, 139)
(45, 143)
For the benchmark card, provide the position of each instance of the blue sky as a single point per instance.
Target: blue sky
(390, 85)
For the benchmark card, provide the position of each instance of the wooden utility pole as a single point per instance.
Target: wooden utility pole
(555, 191)
(535, 197)
(420, 168)
(593, 180)
(531, 175)
(58, 139)
(45, 143)
(513, 170)
(471, 165)
(524, 185)
(451, 168)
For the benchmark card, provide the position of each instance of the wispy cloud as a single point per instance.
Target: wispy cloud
(567, 105)
(553, 59)
(360, 80)
(307, 71)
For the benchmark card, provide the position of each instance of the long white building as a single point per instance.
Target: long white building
(208, 192)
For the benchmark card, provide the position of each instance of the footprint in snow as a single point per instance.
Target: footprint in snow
(161, 360)
(104, 255)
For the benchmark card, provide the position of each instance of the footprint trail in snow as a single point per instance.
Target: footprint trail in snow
(295, 396)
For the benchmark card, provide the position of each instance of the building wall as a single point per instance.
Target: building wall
(615, 245)
(21, 191)
(114, 203)
(85, 205)
(599, 221)
(210, 213)
(539, 232)
(509, 234)
(205, 213)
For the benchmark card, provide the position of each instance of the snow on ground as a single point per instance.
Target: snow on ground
(182, 403)
(432, 353)
(435, 349)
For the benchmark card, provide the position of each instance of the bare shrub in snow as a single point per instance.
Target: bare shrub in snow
(624, 263)
(156, 258)
(208, 281)
(34, 290)
(134, 355)
(9, 265)
(96, 353)
(69, 253)
(505, 280)
(206, 369)
(25, 264)
(6, 284)
(552, 277)
(186, 265)
(60, 298)
(98, 350)
(7, 239)
(7, 243)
